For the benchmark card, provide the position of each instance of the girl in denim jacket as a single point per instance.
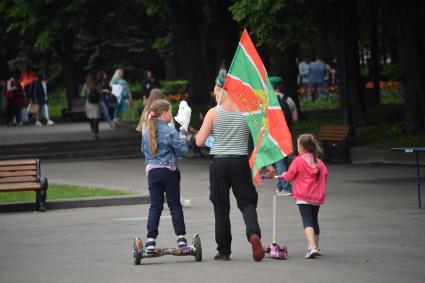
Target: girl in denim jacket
(162, 145)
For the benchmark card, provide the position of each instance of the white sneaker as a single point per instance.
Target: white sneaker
(181, 241)
(150, 245)
(38, 123)
(276, 190)
(312, 253)
(50, 122)
(285, 193)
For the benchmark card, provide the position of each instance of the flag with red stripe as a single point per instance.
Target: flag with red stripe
(249, 85)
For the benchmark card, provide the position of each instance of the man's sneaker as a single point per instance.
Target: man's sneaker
(221, 257)
(257, 248)
(312, 253)
(181, 241)
(150, 245)
(38, 123)
(50, 122)
(285, 193)
(277, 190)
(318, 250)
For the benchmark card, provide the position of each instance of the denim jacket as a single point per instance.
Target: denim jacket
(170, 146)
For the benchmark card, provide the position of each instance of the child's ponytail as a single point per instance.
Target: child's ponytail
(157, 108)
(151, 123)
(312, 145)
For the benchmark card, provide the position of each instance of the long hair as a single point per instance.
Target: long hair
(118, 74)
(91, 81)
(157, 108)
(155, 94)
(311, 145)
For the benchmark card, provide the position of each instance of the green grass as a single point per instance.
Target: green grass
(59, 191)
(321, 103)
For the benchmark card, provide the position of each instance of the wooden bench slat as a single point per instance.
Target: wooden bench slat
(331, 139)
(333, 132)
(19, 187)
(18, 162)
(331, 136)
(18, 173)
(17, 179)
(18, 168)
(343, 135)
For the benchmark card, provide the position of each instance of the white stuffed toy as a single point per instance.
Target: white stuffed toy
(183, 115)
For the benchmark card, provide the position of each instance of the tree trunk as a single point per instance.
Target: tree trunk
(191, 50)
(345, 30)
(225, 32)
(171, 67)
(65, 52)
(374, 67)
(409, 23)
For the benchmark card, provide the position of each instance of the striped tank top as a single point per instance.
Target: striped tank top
(230, 132)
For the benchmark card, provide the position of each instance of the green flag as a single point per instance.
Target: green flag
(249, 85)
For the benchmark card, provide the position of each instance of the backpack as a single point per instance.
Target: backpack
(286, 110)
(94, 96)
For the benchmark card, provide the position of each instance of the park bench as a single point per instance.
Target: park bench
(78, 109)
(334, 140)
(24, 175)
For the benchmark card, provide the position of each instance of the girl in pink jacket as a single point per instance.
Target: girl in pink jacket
(309, 189)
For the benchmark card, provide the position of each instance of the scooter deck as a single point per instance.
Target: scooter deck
(139, 252)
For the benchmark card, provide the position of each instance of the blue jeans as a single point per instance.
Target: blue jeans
(282, 166)
(105, 111)
(160, 181)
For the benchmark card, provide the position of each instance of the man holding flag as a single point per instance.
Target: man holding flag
(245, 102)
(230, 168)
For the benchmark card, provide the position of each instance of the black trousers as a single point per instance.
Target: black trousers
(310, 215)
(226, 173)
(12, 110)
(94, 125)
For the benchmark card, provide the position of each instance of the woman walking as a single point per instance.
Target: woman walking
(91, 92)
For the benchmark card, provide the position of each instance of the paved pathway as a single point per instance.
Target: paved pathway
(58, 132)
(371, 231)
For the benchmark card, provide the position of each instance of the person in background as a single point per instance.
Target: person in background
(148, 84)
(92, 93)
(125, 96)
(289, 109)
(105, 97)
(38, 91)
(318, 71)
(304, 75)
(13, 92)
(155, 94)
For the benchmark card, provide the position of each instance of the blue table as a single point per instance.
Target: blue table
(417, 150)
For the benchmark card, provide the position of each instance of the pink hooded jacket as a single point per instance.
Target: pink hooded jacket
(307, 186)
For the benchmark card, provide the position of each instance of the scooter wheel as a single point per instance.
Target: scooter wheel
(137, 258)
(283, 253)
(198, 246)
